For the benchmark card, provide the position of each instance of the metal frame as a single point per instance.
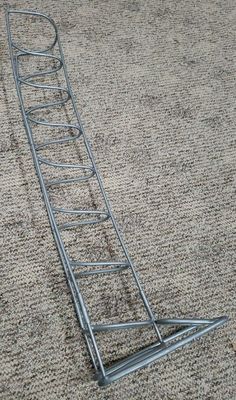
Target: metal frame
(192, 328)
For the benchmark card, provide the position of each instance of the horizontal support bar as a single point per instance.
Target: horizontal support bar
(178, 321)
(78, 212)
(69, 180)
(122, 325)
(44, 87)
(70, 225)
(117, 266)
(75, 264)
(103, 271)
(138, 324)
(63, 165)
(102, 217)
(57, 141)
(50, 124)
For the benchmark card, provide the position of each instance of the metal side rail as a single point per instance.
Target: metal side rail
(191, 328)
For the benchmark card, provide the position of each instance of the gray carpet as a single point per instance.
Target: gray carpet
(155, 83)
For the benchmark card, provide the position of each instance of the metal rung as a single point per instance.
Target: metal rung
(69, 166)
(70, 225)
(104, 216)
(117, 267)
(121, 325)
(55, 182)
(140, 324)
(56, 141)
(63, 165)
(102, 271)
(192, 328)
(75, 264)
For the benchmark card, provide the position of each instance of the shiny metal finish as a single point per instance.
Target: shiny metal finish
(192, 328)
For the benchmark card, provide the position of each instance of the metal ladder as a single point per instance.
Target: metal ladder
(74, 269)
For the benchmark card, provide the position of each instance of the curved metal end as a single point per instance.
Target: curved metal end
(34, 14)
(222, 320)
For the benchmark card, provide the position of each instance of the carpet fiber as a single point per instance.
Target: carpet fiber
(155, 83)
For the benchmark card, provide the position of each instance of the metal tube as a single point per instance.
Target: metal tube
(49, 210)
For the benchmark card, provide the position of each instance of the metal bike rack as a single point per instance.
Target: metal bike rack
(187, 329)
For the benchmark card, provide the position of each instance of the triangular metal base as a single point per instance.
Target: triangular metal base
(193, 329)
